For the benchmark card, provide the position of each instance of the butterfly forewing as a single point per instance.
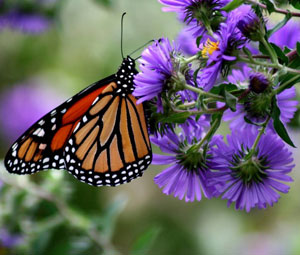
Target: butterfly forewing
(100, 135)
(42, 145)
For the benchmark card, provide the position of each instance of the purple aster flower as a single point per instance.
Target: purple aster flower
(9, 240)
(28, 23)
(251, 180)
(195, 127)
(240, 76)
(186, 175)
(291, 32)
(20, 17)
(26, 103)
(157, 68)
(221, 53)
(285, 102)
(187, 42)
(199, 14)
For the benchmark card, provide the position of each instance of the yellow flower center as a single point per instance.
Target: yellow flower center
(209, 48)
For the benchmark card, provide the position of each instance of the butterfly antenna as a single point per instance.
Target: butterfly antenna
(137, 58)
(122, 18)
(141, 47)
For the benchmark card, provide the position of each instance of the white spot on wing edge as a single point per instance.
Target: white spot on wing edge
(46, 160)
(15, 146)
(68, 158)
(36, 132)
(96, 100)
(77, 126)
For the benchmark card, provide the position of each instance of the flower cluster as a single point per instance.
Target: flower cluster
(225, 65)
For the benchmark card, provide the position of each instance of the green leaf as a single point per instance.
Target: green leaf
(179, 118)
(215, 118)
(198, 40)
(224, 86)
(195, 76)
(269, 4)
(263, 49)
(298, 48)
(278, 51)
(286, 50)
(247, 52)
(251, 122)
(278, 125)
(232, 5)
(279, 25)
(143, 244)
(280, 54)
(295, 4)
(287, 77)
(295, 63)
(230, 100)
(199, 103)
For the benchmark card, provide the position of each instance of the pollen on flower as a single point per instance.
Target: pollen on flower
(209, 48)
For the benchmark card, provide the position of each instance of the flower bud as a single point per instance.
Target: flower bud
(258, 83)
(252, 26)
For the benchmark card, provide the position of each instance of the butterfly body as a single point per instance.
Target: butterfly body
(99, 135)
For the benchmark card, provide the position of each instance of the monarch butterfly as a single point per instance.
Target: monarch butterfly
(99, 135)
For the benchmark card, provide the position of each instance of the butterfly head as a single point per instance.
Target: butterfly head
(125, 76)
(128, 63)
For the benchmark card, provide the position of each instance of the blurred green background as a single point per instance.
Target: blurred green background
(52, 213)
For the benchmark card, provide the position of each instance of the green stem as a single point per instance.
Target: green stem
(270, 50)
(261, 132)
(186, 106)
(210, 132)
(291, 70)
(284, 85)
(209, 30)
(190, 59)
(266, 64)
(201, 92)
(209, 111)
(285, 12)
(255, 62)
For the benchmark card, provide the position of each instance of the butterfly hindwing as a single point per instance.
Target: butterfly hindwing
(110, 144)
